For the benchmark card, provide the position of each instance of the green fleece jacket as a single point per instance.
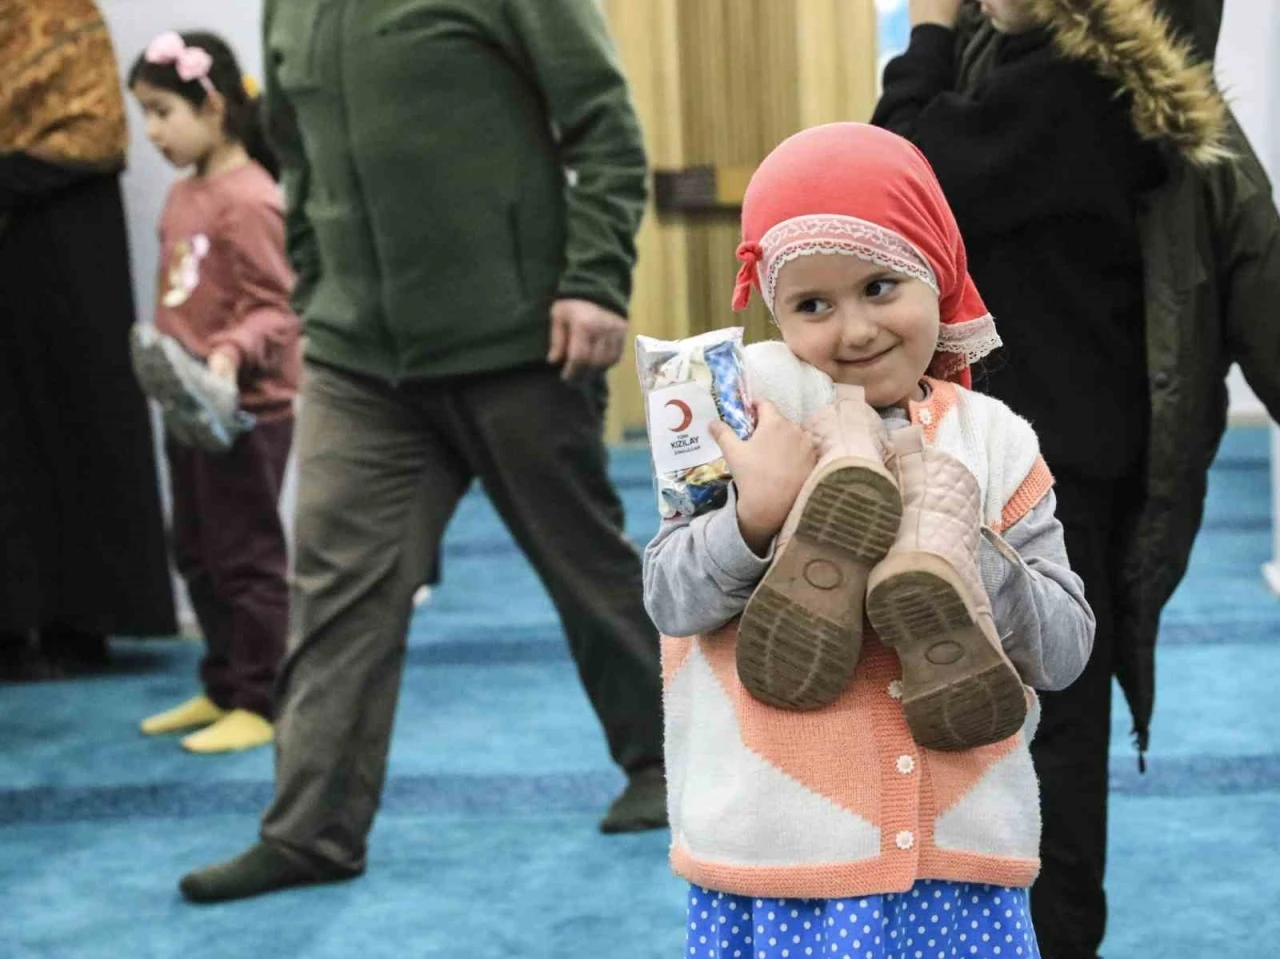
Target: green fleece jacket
(452, 168)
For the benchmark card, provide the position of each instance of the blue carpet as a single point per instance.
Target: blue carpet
(487, 843)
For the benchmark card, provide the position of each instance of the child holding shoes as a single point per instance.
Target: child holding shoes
(229, 339)
(835, 783)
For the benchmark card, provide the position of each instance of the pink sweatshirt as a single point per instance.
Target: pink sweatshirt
(225, 281)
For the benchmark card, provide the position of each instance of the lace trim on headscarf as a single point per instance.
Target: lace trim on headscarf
(963, 344)
(809, 235)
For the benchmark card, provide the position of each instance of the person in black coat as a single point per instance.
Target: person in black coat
(1123, 233)
(82, 548)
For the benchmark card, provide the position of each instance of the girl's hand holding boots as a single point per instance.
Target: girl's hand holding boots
(768, 470)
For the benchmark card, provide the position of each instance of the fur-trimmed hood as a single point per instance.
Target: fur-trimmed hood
(1175, 99)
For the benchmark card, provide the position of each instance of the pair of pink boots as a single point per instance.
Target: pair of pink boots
(888, 524)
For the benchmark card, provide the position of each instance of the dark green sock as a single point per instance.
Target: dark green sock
(642, 805)
(261, 869)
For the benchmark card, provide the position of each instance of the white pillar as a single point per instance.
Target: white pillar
(1271, 570)
(1248, 67)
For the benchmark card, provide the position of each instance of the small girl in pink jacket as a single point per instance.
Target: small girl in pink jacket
(223, 360)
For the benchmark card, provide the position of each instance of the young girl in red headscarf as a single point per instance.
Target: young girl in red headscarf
(851, 641)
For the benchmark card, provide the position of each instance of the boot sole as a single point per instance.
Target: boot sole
(801, 632)
(959, 690)
(168, 385)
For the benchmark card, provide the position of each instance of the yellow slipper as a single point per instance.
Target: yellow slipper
(198, 711)
(237, 730)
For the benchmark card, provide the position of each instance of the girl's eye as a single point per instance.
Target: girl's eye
(878, 289)
(812, 306)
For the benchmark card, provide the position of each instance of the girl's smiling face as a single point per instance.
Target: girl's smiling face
(860, 323)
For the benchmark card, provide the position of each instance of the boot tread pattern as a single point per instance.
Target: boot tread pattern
(792, 658)
(801, 633)
(959, 692)
(854, 510)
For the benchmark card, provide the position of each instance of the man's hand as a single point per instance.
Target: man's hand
(584, 336)
(225, 363)
(768, 471)
(944, 13)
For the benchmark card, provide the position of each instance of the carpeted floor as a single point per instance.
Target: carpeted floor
(487, 843)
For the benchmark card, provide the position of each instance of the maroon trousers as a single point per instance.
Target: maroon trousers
(229, 546)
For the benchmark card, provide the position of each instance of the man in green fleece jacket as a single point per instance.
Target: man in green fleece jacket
(465, 179)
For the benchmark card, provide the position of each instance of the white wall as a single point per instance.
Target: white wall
(1248, 69)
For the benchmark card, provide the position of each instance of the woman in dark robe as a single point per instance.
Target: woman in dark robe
(82, 548)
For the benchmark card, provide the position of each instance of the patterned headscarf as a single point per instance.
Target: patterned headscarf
(858, 190)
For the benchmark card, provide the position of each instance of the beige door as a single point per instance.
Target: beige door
(717, 84)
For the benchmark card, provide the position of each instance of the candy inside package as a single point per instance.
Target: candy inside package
(687, 385)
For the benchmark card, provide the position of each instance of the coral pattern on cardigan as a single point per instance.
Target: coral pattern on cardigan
(841, 801)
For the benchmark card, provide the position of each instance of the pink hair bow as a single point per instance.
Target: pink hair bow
(192, 63)
(750, 254)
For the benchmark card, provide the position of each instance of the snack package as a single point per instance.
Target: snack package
(688, 384)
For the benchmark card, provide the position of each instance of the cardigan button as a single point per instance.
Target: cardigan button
(906, 765)
(895, 689)
(926, 416)
(906, 840)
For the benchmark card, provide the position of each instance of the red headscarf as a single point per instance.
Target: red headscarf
(862, 191)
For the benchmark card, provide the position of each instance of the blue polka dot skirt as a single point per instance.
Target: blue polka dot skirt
(932, 920)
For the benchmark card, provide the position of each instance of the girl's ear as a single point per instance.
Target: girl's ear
(214, 107)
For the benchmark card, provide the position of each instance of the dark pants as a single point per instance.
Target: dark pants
(381, 470)
(1071, 747)
(229, 546)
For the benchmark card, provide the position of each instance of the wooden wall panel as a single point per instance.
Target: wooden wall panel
(719, 83)
(647, 35)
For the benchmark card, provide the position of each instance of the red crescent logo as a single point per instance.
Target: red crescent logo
(685, 413)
